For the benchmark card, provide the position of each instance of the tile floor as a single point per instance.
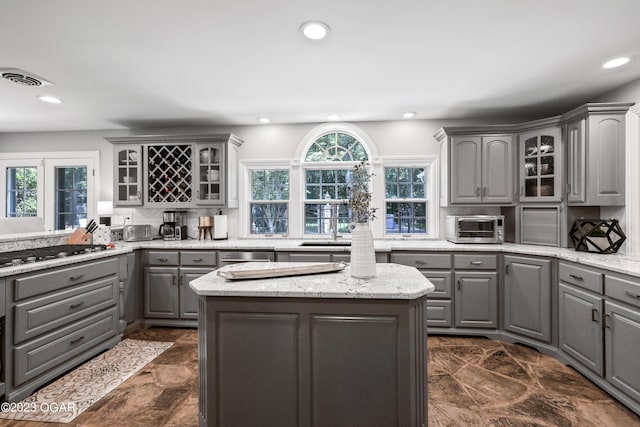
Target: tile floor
(472, 382)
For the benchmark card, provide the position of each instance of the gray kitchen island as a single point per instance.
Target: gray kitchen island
(313, 350)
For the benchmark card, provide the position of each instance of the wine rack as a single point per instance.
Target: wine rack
(169, 174)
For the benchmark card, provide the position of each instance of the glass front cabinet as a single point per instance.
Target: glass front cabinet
(210, 173)
(541, 165)
(127, 175)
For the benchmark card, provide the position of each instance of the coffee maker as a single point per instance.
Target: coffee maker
(172, 228)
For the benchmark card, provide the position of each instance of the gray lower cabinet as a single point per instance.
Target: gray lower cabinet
(622, 347)
(476, 291)
(579, 327)
(437, 268)
(168, 299)
(527, 296)
(312, 362)
(59, 318)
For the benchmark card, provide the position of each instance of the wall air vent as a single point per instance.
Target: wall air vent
(23, 77)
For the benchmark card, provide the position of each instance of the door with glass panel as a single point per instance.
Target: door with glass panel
(540, 165)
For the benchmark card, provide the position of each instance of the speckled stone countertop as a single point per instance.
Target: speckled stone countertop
(392, 281)
(619, 263)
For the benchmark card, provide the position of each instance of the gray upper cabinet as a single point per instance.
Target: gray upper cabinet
(127, 175)
(596, 154)
(178, 171)
(481, 169)
(527, 297)
(540, 165)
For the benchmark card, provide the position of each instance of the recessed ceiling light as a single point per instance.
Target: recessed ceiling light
(334, 117)
(409, 115)
(314, 30)
(49, 99)
(264, 119)
(615, 62)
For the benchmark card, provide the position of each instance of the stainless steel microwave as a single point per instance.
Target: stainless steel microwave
(475, 229)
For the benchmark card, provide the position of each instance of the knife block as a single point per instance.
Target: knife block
(80, 237)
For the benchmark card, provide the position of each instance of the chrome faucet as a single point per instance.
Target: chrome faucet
(334, 222)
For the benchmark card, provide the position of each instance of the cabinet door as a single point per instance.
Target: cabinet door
(497, 169)
(622, 346)
(161, 292)
(210, 174)
(580, 331)
(127, 175)
(476, 300)
(541, 166)
(527, 297)
(466, 175)
(576, 162)
(606, 160)
(188, 297)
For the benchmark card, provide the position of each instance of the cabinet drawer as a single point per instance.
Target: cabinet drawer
(623, 288)
(45, 314)
(199, 258)
(581, 277)
(441, 281)
(42, 283)
(475, 262)
(439, 314)
(436, 261)
(160, 258)
(45, 353)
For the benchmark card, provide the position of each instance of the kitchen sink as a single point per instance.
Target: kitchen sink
(325, 243)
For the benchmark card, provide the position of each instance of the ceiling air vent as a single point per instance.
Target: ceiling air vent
(23, 77)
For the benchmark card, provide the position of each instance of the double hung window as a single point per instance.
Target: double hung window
(405, 200)
(269, 206)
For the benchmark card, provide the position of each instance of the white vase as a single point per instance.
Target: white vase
(363, 255)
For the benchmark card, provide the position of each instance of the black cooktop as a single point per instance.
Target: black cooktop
(42, 254)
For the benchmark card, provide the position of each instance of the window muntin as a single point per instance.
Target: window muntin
(22, 191)
(269, 206)
(405, 200)
(336, 147)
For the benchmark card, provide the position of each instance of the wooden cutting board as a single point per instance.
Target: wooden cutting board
(281, 271)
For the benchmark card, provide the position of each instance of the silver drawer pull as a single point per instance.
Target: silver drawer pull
(77, 340)
(78, 277)
(475, 262)
(632, 295)
(421, 262)
(594, 315)
(163, 259)
(197, 260)
(72, 306)
(573, 276)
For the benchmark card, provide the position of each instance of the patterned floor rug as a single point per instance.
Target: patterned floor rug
(72, 394)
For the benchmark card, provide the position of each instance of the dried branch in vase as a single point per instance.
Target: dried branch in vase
(359, 197)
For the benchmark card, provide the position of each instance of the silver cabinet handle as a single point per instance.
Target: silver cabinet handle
(72, 306)
(475, 262)
(174, 280)
(573, 276)
(477, 191)
(484, 192)
(458, 284)
(163, 259)
(197, 260)
(506, 269)
(77, 340)
(418, 262)
(594, 315)
(607, 321)
(78, 277)
(632, 295)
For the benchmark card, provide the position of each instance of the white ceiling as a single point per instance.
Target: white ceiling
(147, 63)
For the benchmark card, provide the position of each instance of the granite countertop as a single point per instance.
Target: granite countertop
(392, 281)
(619, 263)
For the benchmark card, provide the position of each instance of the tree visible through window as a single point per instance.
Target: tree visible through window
(71, 196)
(269, 201)
(406, 204)
(22, 191)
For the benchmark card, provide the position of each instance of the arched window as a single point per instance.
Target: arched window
(327, 168)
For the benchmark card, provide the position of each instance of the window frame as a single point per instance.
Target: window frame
(46, 163)
(244, 209)
(431, 168)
